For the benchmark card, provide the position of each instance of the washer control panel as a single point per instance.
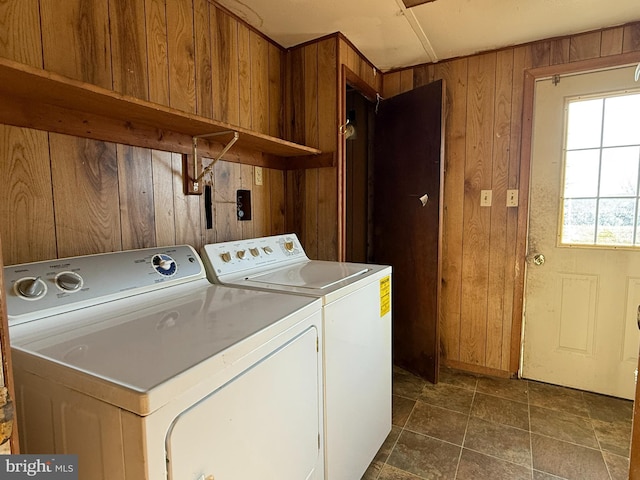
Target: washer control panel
(243, 257)
(45, 288)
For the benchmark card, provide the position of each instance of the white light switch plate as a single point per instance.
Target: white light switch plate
(512, 198)
(485, 198)
(257, 175)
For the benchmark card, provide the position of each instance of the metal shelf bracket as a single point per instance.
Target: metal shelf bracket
(205, 171)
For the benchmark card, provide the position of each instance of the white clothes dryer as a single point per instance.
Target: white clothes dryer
(356, 301)
(136, 363)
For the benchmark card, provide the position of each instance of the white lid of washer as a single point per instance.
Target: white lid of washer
(135, 349)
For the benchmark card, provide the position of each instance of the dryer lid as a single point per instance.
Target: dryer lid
(312, 274)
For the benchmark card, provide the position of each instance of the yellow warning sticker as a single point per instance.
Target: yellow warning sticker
(385, 295)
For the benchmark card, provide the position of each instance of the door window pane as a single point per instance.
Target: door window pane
(584, 124)
(619, 176)
(601, 172)
(621, 121)
(616, 220)
(581, 173)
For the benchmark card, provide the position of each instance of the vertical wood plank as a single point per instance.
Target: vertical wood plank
(631, 38)
(539, 54)
(259, 54)
(476, 234)
(244, 74)
(297, 114)
(560, 51)
(128, 47)
(227, 181)
(277, 201)
(204, 80)
(406, 80)
(585, 46)
(276, 103)
(75, 40)
(454, 74)
(391, 84)
(260, 201)
(186, 209)
(85, 194)
(226, 97)
(611, 41)
(164, 214)
(26, 204)
(135, 179)
(21, 44)
(181, 53)
(328, 142)
(510, 335)
(497, 315)
(311, 202)
(295, 197)
(157, 56)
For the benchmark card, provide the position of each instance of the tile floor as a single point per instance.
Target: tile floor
(470, 427)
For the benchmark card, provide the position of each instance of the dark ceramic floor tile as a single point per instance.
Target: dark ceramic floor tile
(608, 409)
(512, 389)
(501, 410)
(406, 384)
(476, 466)
(391, 473)
(437, 422)
(618, 466)
(458, 378)
(557, 398)
(544, 476)
(508, 443)
(401, 409)
(567, 460)
(563, 426)
(447, 396)
(383, 454)
(614, 437)
(425, 456)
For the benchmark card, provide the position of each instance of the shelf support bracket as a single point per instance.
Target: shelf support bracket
(199, 176)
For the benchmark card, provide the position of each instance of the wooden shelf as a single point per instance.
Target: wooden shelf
(43, 100)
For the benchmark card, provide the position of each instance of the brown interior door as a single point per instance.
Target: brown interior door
(408, 152)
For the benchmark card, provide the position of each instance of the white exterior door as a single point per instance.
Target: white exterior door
(581, 301)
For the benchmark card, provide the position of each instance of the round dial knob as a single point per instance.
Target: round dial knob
(240, 254)
(164, 264)
(288, 246)
(226, 257)
(267, 250)
(31, 288)
(254, 251)
(69, 281)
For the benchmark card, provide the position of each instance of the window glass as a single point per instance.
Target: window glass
(601, 172)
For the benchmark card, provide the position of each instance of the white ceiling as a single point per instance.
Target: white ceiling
(392, 36)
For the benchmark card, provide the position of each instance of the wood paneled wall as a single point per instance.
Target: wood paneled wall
(66, 196)
(315, 109)
(482, 152)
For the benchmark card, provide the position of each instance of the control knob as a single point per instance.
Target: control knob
(254, 251)
(240, 254)
(268, 250)
(288, 246)
(31, 288)
(226, 257)
(69, 281)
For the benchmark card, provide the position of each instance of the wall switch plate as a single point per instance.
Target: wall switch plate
(243, 204)
(485, 198)
(512, 198)
(257, 175)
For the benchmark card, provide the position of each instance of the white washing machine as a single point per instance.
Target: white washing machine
(136, 363)
(356, 301)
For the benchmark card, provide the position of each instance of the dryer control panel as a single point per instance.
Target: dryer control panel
(241, 258)
(40, 289)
